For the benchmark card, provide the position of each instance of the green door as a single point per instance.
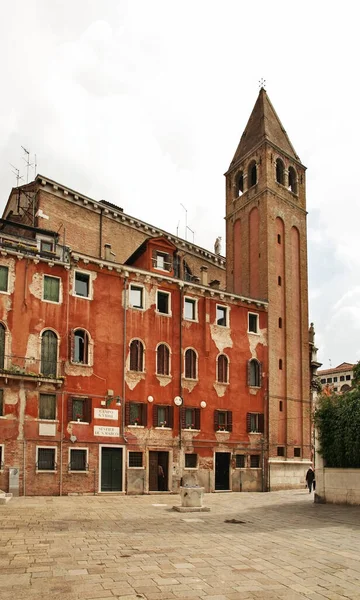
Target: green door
(111, 469)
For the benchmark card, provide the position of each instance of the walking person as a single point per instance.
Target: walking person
(161, 479)
(310, 479)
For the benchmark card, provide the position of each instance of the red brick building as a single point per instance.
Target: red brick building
(134, 361)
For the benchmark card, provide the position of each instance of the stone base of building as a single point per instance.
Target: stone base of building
(287, 474)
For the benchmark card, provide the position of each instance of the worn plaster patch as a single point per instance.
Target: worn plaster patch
(6, 303)
(78, 370)
(255, 339)
(189, 384)
(132, 378)
(221, 337)
(10, 396)
(37, 285)
(220, 389)
(32, 349)
(164, 380)
(222, 436)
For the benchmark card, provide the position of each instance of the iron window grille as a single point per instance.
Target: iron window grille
(240, 461)
(254, 461)
(46, 460)
(135, 459)
(78, 460)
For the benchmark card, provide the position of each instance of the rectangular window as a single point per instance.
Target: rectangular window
(4, 276)
(135, 459)
(223, 420)
(46, 246)
(297, 452)
(342, 378)
(323, 380)
(136, 296)
(2, 411)
(136, 413)
(329, 380)
(47, 407)
(79, 409)
(280, 451)
(51, 288)
(253, 323)
(254, 461)
(335, 379)
(280, 405)
(191, 461)
(163, 416)
(82, 284)
(221, 316)
(163, 302)
(162, 261)
(190, 418)
(255, 423)
(348, 377)
(78, 459)
(335, 389)
(46, 459)
(240, 461)
(189, 309)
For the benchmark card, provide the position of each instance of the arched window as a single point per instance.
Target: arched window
(49, 346)
(223, 369)
(280, 171)
(254, 373)
(252, 174)
(81, 347)
(2, 346)
(292, 180)
(239, 186)
(136, 355)
(163, 360)
(190, 364)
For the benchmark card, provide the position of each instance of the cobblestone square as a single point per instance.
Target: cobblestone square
(275, 545)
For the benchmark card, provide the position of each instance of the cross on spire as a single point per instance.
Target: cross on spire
(262, 84)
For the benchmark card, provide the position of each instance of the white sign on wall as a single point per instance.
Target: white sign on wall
(106, 413)
(106, 431)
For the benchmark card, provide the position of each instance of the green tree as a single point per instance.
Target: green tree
(356, 380)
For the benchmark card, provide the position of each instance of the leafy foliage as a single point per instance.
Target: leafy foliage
(356, 380)
(337, 419)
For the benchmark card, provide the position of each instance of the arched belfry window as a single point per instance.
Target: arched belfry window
(49, 346)
(252, 174)
(293, 181)
(2, 346)
(280, 171)
(136, 355)
(239, 184)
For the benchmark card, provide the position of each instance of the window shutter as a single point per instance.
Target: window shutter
(166, 360)
(249, 372)
(168, 262)
(183, 417)
(144, 414)
(261, 423)
(229, 420)
(86, 349)
(71, 345)
(248, 422)
(70, 409)
(260, 374)
(216, 420)
(155, 415)
(154, 255)
(187, 363)
(171, 416)
(127, 413)
(87, 410)
(197, 418)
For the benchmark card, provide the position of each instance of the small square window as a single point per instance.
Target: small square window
(163, 302)
(136, 296)
(82, 284)
(280, 451)
(335, 389)
(51, 288)
(254, 461)
(348, 377)
(221, 316)
(329, 380)
(78, 459)
(162, 261)
(240, 461)
(135, 459)
(80, 410)
(335, 379)
(1, 403)
(190, 309)
(47, 407)
(253, 323)
(191, 461)
(46, 246)
(342, 378)
(4, 276)
(46, 459)
(322, 381)
(297, 452)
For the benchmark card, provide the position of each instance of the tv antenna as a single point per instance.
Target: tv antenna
(17, 174)
(192, 231)
(29, 164)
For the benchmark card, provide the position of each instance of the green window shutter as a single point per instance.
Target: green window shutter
(51, 288)
(4, 275)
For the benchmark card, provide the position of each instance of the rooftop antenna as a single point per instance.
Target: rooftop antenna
(186, 227)
(177, 229)
(262, 84)
(29, 164)
(193, 232)
(330, 363)
(17, 174)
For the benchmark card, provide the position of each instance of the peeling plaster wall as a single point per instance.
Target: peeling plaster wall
(36, 286)
(256, 339)
(221, 337)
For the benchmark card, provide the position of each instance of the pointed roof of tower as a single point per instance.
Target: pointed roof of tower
(263, 124)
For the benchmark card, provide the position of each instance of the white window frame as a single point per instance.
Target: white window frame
(227, 315)
(257, 332)
(128, 458)
(83, 272)
(194, 301)
(37, 458)
(168, 314)
(8, 270)
(139, 287)
(60, 290)
(2, 458)
(86, 459)
(164, 254)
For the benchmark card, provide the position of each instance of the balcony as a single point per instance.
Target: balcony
(31, 369)
(30, 248)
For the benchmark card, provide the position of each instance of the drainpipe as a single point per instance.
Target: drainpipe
(122, 430)
(100, 233)
(24, 467)
(61, 443)
(180, 363)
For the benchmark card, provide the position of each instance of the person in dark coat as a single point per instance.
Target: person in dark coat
(310, 477)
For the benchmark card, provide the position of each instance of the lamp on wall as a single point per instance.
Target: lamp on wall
(178, 400)
(118, 401)
(150, 399)
(203, 404)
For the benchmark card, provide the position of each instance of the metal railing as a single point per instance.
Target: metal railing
(27, 247)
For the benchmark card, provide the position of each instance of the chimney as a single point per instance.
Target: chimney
(204, 275)
(215, 283)
(108, 254)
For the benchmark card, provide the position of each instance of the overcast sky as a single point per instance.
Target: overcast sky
(143, 103)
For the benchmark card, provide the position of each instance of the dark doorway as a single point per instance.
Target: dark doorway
(111, 469)
(222, 470)
(158, 471)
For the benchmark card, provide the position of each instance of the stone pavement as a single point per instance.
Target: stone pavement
(133, 548)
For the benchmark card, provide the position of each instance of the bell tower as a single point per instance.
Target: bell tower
(266, 252)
